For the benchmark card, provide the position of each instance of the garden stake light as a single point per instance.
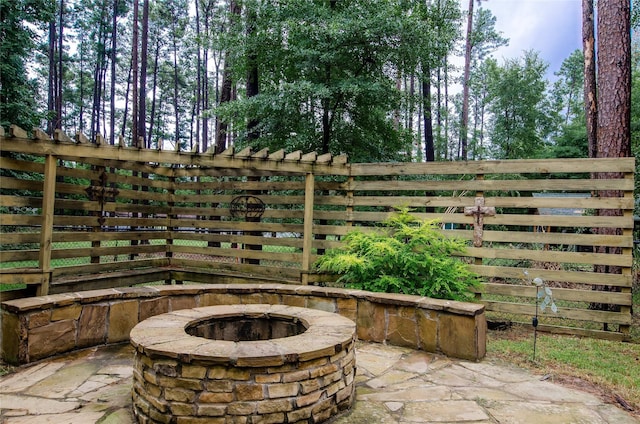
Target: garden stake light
(547, 301)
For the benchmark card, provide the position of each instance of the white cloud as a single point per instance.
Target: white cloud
(551, 27)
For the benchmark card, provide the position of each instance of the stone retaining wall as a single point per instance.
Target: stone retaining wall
(38, 327)
(306, 377)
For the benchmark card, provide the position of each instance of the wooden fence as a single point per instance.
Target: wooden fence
(78, 215)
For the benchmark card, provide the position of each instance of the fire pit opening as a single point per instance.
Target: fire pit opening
(243, 364)
(244, 328)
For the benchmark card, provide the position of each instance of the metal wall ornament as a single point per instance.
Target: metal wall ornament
(247, 207)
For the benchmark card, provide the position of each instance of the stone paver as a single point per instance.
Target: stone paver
(394, 386)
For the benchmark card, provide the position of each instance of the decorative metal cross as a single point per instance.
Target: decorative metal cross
(479, 211)
(102, 194)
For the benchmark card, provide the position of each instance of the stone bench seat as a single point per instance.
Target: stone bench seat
(39, 327)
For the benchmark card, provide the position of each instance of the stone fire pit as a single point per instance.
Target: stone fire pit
(243, 364)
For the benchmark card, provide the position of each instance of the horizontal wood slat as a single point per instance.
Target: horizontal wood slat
(617, 280)
(517, 166)
(551, 256)
(567, 313)
(489, 185)
(574, 295)
(129, 209)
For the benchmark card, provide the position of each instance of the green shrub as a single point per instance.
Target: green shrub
(406, 255)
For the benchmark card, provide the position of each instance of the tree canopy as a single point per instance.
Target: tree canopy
(375, 79)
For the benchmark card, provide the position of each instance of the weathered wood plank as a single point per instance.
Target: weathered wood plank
(462, 201)
(17, 132)
(535, 166)
(88, 269)
(577, 185)
(244, 185)
(107, 251)
(238, 226)
(19, 255)
(109, 280)
(29, 276)
(566, 313)
(547, 238)
(10, 183)
(594, 278)
(273, 272)
(587, 221)
(581, 332)
(269, 200)
(21, 165)
(46, 232)
(80, 236)
(551, 256)
(15, 201)
(217, 252)
(7, 239)
(569, 294)
(239, 238)
(71, 150)
(218, 211)
(308, 224)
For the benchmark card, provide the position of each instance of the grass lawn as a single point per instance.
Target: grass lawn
(608, 369)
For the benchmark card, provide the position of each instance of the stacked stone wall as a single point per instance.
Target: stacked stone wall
(40, 327)
(307, 378)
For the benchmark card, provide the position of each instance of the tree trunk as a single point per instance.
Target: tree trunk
(114, 37)
(134, 79)
(253, 87)
(439, 108)
(590, 98)
(152, 115)
(465, 85)
(81, 88)
(60, 76)
(614, 106)
(227, 84)
(205, 78)
(429, 148)
(126, 100)
(198, 93)
(411, 111)
(446, 109)
(52, 76)
(142, 89)
(614, 79)
(225, 96)
(176, 109)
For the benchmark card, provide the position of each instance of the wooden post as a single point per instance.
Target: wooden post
(46, 232)
(625, 310)
(350, 208)
(100, 182)
(307, 242)
(171, 217)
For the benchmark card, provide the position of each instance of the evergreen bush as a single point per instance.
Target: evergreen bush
(406, 255)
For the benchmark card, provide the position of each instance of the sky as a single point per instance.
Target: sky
(553, 28)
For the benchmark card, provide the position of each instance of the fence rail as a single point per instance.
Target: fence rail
(73, 209)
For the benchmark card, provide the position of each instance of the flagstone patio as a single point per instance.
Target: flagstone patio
(394, 385)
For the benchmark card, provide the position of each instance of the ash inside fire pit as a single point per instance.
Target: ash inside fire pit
(243, 363)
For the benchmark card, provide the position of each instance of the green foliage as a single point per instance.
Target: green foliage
(520, 123)
(407, 256)
(328, 73)
(19, 20)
